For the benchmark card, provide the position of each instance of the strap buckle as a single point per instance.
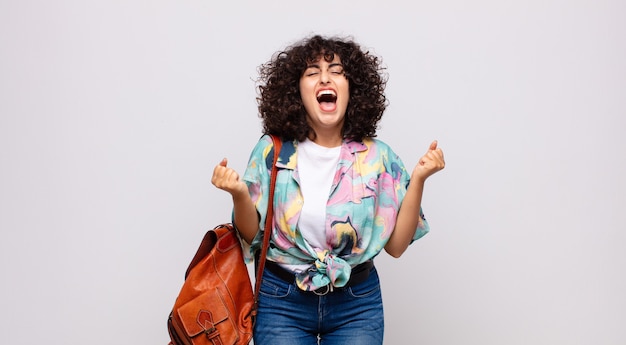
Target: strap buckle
(324, 290)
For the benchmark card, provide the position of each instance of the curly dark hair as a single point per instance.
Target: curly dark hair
(279, 101)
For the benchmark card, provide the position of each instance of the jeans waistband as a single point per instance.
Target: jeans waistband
(359, 274)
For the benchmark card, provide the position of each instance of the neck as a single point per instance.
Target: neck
(326, 140)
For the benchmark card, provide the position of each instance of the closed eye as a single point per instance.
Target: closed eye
(311, 71)
(338, 70)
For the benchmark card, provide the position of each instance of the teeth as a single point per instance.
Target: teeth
(325, 92)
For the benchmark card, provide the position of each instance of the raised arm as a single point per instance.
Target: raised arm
(409, 214)
(245, 215)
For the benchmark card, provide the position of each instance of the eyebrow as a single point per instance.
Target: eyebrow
(329, 65)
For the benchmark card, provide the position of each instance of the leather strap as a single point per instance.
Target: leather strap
(269, 217)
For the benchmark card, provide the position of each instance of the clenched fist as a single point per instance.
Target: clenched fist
(227, 179)
(431, 162)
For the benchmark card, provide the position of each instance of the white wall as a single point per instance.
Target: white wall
(113, 114)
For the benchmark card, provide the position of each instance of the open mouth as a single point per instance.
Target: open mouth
(327, 99)
(326, 96)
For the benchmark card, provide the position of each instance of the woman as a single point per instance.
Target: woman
(341, 195)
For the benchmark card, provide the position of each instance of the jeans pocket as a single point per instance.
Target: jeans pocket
(273, 286)
(367, 288)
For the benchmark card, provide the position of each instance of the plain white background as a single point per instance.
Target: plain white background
(113, 114)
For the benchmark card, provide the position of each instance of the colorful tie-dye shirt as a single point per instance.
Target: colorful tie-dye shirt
(366, 194)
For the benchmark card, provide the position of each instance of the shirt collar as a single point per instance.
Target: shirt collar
(287, 156)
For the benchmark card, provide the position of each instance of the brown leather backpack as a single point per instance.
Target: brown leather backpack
(216, 305)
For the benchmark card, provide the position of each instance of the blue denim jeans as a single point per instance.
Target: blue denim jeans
(345, 316)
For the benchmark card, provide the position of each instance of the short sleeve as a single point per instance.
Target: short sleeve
(257, 178)
(401, 179)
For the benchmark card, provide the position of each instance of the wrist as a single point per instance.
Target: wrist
(239, 195)
(418, 179)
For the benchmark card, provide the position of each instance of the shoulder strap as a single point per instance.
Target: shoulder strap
(269, 217)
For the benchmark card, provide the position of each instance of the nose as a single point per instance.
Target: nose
(324, 77)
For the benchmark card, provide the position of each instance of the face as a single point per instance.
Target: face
(325, 93)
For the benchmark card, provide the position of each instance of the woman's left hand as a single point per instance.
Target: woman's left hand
(429, 163)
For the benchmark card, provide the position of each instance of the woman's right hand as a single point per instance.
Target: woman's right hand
(227, 179)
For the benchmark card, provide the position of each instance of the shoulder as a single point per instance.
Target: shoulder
(377, 147)
(264, 143)
(260, 150)
(379, 152)
(264, 151)
(379, 144)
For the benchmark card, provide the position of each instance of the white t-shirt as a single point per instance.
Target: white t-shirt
(317, 166)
